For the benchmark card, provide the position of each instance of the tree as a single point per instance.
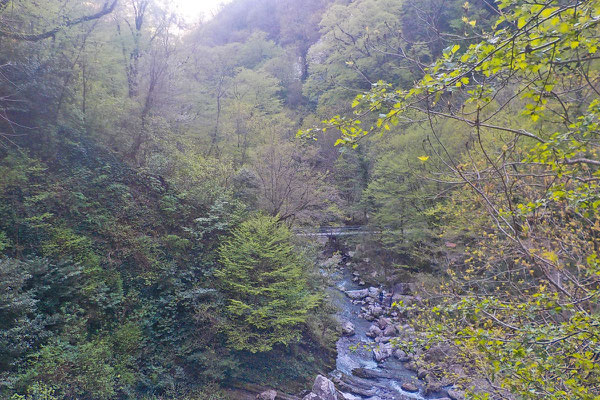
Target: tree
(49, 32)
(264, 281)
(291, 186)
(520, 308)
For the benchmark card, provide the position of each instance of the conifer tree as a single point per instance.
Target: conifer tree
(265, 284)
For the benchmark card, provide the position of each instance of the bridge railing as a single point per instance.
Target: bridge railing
(339, 231)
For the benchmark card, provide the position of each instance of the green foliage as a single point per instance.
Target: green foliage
(518, 305)
(265, 285)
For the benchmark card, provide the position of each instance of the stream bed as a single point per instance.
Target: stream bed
(358, 375)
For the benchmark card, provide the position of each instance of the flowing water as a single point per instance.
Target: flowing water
(356, 352)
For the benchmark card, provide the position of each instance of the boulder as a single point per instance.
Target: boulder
(311, 396)
(456, 394)
(377, 311)
(373, 291)
(349, 396)
(348, 328)
(410, 387)
(324, 389)
(357, 294)
(389, 330)
(267, 395)
(383, 322)
(422, 373)
(411, 366)
(382, 352)
(432, 388)
(401, 355)
(374, 331)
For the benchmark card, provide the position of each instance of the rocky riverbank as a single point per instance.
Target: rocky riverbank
(369, 364)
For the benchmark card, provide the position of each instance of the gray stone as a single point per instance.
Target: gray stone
(382, 352)
(324, 388)
(267, 395)
(422, 373)
(456, 394)
(373, 291)
(311, 396)
(357, 294)
(410, 387)
(377, 311)
(411, 366)
(348, 328)
(432, 387)
(383, 322)
(374, 331)
(401, 355)
(389, 330)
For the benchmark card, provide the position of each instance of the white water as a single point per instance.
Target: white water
(355, 351)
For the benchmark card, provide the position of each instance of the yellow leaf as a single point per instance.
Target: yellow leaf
(424, 158)
(550, 255)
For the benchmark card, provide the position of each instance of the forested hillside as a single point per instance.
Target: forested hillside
(164, 184)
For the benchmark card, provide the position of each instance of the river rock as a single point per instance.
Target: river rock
(401, 355)
(348, 328)
(422, 373)
(373, 291)
(377, 311)
(411, 366)
(357, 294)
(410, 387)
(382, 352)
(267, 395)
(389, 331)
(383, 322)
(456, 394)
(362, 283)
(324, 389)
(311, 396)
(374, 331)
(432, 387)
